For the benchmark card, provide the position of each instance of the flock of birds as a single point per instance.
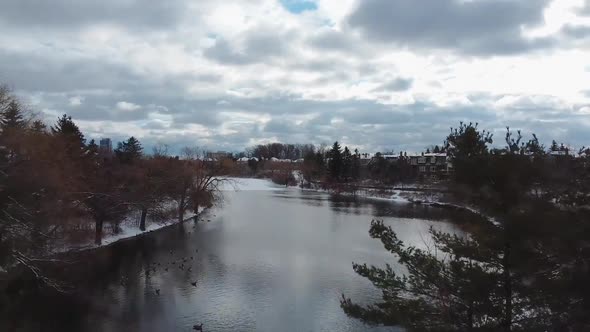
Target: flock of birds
(184, 263)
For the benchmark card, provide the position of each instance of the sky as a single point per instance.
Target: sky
(379, 75)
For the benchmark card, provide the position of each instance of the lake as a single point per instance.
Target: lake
(267, 258)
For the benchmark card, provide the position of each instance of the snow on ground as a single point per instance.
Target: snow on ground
(128, 228)
(249, 184)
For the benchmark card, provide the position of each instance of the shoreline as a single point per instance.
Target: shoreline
(397, 197)
(136, 235)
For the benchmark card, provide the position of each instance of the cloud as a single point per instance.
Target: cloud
(585, 9)
(126, 106)
(71, 14)
(398, 84)
(76, 100)
(480, 27)
(374, 74)
(257, 47)
(576, 31)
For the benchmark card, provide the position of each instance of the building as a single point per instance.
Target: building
(431, 164)
(219, 155)
(106, 146)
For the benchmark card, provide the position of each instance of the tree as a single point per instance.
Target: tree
(129, 151)
(70, 138)
(66, 127)
(147, 180)
(92, 148)
(436, 295)
(467, 148)
(38, 127)
(516, 269)
(12, 117)
(104, 199)
(335, 162)
(346, 172)
(253, 165)
(356, 165)
(314, 165)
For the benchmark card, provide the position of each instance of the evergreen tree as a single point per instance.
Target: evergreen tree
(346, 173)
(356, 165)
(335, 163)
(12, 117)
(554, 146)
(467, 148)
(38, 127)
(129, 151)
(517, 270)
(92, 148)
(66, 128)
(69, 135)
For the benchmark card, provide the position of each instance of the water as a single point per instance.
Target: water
(269, 260)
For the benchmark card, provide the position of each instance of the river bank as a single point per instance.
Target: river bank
(438, 197)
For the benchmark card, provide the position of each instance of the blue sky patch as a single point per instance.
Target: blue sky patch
(298, 6)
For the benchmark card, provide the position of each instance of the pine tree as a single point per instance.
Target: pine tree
(38, 127)
(467, 148)
(129, 151)
(335, 163)
(92, 148)
(346, 173)
(519, 269)
(12, 117)
(356, 165)
(67, 128)
(68, 133)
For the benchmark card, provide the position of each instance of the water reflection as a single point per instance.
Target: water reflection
(267, 261)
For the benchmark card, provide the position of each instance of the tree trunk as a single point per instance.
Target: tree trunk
(507, 288)
(181, 208)
(98, 232)
(470, 316)
(142, 220)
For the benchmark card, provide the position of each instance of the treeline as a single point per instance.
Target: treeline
(340, 166)
(278, 150)
(57, 187)
(523, 265)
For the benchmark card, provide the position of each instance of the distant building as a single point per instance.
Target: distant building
(365, 159)
(431, 164)
(106, 146)
(219, 155)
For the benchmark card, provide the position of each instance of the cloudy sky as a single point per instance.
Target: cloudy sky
(375, 74)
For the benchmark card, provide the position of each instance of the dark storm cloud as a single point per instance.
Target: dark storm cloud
(78, 13)
(481, 27)
(398, 84)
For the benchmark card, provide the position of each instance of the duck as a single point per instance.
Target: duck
(198, 327)
(158, 291)
(194, 283)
